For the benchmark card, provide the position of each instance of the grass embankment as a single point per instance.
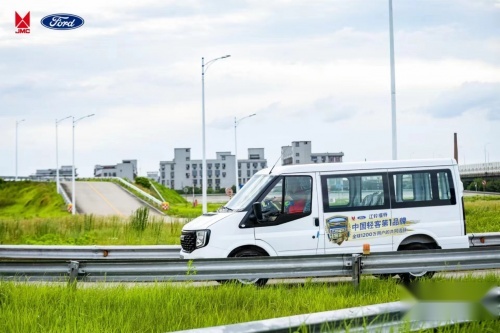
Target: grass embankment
(178, 206)
(89, 230)
(164, 307)
(27, 199)
(482, 213)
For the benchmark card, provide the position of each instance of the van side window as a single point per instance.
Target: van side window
(354, 192)
(443, 185)
(415, 186)
(291, 196)
(422, 188)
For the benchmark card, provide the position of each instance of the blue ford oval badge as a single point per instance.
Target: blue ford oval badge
(62, 21)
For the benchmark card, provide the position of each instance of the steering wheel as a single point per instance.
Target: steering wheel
(270, 208)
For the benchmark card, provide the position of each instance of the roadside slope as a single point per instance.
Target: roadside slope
(104, 198)
(27, 199)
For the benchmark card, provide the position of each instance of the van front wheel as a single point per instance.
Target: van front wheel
(412, 276)
(250, 253)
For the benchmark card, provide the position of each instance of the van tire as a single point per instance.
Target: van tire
(248, 253)
(251, 253)
(412, 276)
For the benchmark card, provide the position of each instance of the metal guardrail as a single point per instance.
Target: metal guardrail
(63, 193)
(176, 269)
(484, 239)
(138, 190)
(432, 260)
(147, 270)
(89, 252)
(385, 317)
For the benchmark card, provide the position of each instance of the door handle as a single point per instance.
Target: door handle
(316, 222)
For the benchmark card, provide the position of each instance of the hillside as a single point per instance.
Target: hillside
(30, 199)
(170, 195)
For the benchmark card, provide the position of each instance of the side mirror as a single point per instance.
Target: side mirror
(257, 210)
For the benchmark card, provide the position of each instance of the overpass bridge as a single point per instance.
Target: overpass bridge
(480, 170)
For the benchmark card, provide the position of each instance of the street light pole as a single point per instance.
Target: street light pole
(73, 192)
(236, 122)
(393, 87)
(485, 159)
(17, 125)
(57, 153)
(204, 165)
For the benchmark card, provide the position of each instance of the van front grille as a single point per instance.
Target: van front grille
(188, 241)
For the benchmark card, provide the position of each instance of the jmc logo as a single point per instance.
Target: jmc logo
(23, 24)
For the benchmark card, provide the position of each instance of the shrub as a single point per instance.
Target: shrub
(143, 181)
(139, 220)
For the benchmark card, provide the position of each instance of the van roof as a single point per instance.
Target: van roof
(359, 166)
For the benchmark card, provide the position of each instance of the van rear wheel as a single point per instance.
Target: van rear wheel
(412, 276)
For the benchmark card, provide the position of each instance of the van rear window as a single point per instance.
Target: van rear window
(422, 188)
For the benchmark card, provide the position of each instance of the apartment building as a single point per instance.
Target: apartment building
(299, 152)
(126, 169)
(184, 171)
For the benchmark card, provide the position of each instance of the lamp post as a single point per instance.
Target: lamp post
(485, 159)
(204, 165)
(57, 153)
(236, 122)
(393, 87)
(73, 192)
(17, 125)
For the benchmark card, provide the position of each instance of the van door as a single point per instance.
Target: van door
(356, 211)
(290, 210)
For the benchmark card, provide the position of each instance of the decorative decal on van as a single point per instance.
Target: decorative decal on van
(343, 228)
(337, 229)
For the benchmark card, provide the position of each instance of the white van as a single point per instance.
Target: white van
(336, 208)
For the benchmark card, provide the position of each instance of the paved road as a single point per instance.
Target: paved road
(213, 198)
(104, 198)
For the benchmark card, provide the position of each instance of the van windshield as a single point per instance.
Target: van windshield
(248, 193)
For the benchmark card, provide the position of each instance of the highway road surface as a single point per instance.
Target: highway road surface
(104, 198)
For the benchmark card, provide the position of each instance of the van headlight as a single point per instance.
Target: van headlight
(202, 238)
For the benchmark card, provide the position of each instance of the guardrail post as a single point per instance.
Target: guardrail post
(356, 269)
(73, 271)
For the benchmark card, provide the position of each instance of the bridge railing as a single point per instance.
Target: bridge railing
(479, 168)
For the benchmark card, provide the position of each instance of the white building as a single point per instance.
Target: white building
(300, 153)
(255, 162)
(65, 172)
(183, 171)
(153, 175)
(126, 169)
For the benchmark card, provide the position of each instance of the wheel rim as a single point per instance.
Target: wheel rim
(418, 274)
(248, 281)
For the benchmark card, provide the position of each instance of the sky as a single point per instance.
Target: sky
(316, 70)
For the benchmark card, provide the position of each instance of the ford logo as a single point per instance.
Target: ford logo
(62, 21)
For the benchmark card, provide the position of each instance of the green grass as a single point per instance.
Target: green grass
(482, 216)
(171, 196)
(482, 213)
(89, 230)
(188, 211)
(163, 307)
(30, 199)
